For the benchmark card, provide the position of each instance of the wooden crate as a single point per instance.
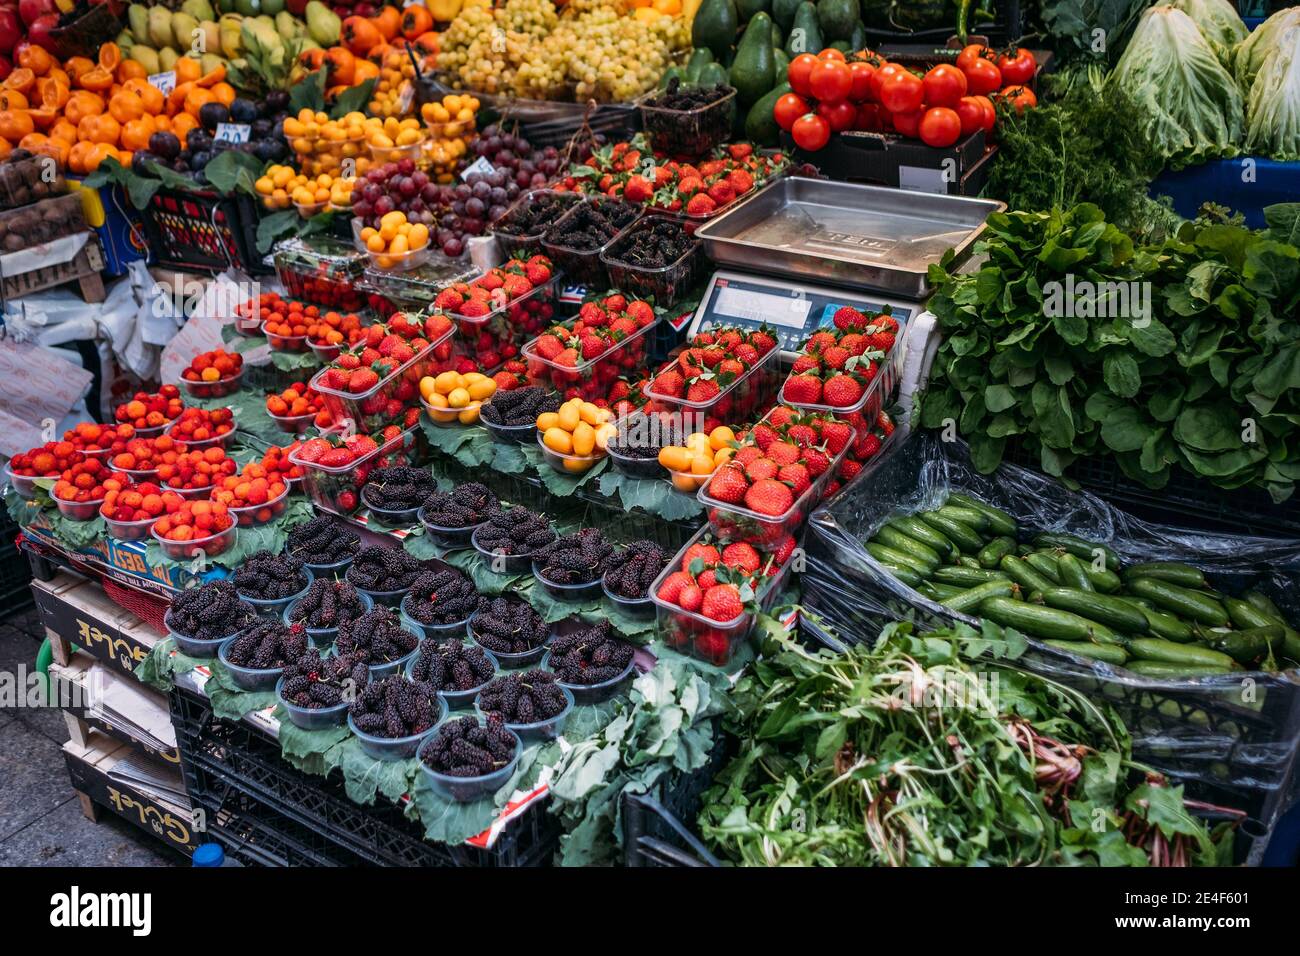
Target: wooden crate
(76, 611)
(69, 685)
(83, 270)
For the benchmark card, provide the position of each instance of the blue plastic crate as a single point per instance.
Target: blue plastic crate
(1245, 184)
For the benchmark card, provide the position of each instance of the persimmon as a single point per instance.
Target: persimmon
(389, 22)
(15, 124)
(136, 133)
(21, 79)
(150, 96)
(340, 66)
(223, 93)
(13, 100)
(82, 103)
(196, 98)
(131, 70)
(416, 20)
(364, 70)
(188, 69)
(97, 80)
(110, 55)
(100, 129)
(53, 92)
(125, 106)
(35, 58)
(212, 77)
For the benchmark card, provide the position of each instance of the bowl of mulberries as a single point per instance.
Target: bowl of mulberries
(571, 566)
(532, 703)
(634, 449)
(391, 716)
(511, 416)
(316, 689)
(256, 656)
(271, 582)
(467, 759)
(590, 662)
(381, 637)
(510, 538)
(394, 495)
(202, 619)
(451, 517)
(327, 604)
(440, 603)
(629, 575)
(456, 671)
(514, 632)
(325, 545)
(384, 573)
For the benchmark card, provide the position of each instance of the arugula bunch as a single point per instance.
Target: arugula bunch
(1040, 349)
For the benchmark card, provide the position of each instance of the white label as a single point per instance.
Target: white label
(760, 307)
(480, 165)
(164, 83)
(233, 132)
(922, 180)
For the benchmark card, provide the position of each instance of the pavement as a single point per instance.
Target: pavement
(41, 823)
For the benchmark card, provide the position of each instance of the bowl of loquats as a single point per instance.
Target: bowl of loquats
(574, 438)
(392, 140)
(397, 245)
(691, 463)
(196, 527)
(450, 398)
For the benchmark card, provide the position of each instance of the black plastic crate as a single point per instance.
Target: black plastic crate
(659, 827)
(218, 756)
(203, 231)
(15, 569)
(1007, 26)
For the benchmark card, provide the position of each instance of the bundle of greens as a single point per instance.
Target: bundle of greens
(1073, 341)
(1091, 30)
(1273, 103)
(935, 750)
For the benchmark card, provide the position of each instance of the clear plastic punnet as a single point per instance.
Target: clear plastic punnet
(592, 378)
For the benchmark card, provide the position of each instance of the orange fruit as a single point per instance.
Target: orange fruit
(99, 129)
(54, 92)
(21, 79)
(98, 80)
(82, 103)
(136, 133)
(5, 147)
(152, 100)
(188, 70)
(50, 146)
(223, 93)
(196, 98)
(57, 73)
(109, 57)
(65, 131)
(15, 124)
(13, 100)
(162, 123)
(182, 123)
(130, 70)
(125, 106)
(77, 156)
(212, 78)
(98, 153)
(35, 58)
(43, 118)
(176, 98)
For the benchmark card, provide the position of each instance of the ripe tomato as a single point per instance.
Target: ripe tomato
(862, 73)
(990, 112)
(798, 70)
(883, 69)
(811, 132)
(1018, 97)
(830, 53)
(841, 115)
(982, 76)
(902, 92)
(789, 108)
(868, 117)
(907, 124)
(944, 85)
(940, 127)
(969, 111)
(1017, 67)
(830, 81)
(970, 53)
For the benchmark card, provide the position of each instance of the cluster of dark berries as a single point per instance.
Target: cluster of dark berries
(268, 643)
(575, 558)
(514, 531)
(589, 656)
(520, 406)
(632, 570)
(328, 604)
(532, 217)
(315, 682)
(462, 507)
(270, 577)
(509, 627)
(641, 437)
(378, 568)
(394, 707)
(654, 243)
(399, 488)
(444, 596)
(467, 748)
(451, 665)
(210, 612)
(323, 540)
(378, 635)
(678, 97)
(592, 225)
(523, 697)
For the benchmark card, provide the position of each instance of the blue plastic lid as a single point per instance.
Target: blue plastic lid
(209, 854)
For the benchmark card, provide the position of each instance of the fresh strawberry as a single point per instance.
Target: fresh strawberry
(638, 189)
(816, 462)
(802, 389)
(836, 435)
(362, 380)
(722, 603)
(781, 553)
(841, 391)
(690, 597)
(880, 341)
(707, 579)
(849, 469)
(805, 363)
(835, 357)
(764, 435)
(742, 556)
(762, 340)
(853, 343)
(474, 309)
(847, 317)
(867, 447)
(700, 205)
(746, 353)
(728, 484)
(805, 436)
(703, 390)
(672, 586)
(516, 286)
(782, 452)
(744, 456)
(761, 468)
(537, 273)
(740, 181)
(769, 497)
(885, 423)
(335, 458)
(780, 415)
(669, 382)
(448, 299)
(548, 346)
(796, 476)
(819, 342)
(705, 552)
(721, 192)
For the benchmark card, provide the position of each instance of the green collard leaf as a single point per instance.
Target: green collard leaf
(467, 444)
(232, 171)
(75, 535)
(485, 579)
(364, 777)
(553, 609)
(447, 821)
(295, 361)
(308, 94)
(1284, 222)
(275, 226)
(1125, 430)
(420, 545)
(316, 752)
(229, 700)
(1121, 374)
(162, 663)
(651, 495)
(1151, 337)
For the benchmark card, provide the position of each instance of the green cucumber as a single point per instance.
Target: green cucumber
(1072, 573)
(1184, 602)
(1085, 550)
(1112, 612)
(967, 516)
(966, 561)
(908, 545)
(1023, 574)
(1045, 564)
(1263, 603)
(962, 535)
(1174, 572)
(914, 527)
(1169, 652)
(887, 555)
(999, 521)
(1249, 646)
(1107, 653)
(908, 576)
(936, 590)
(967, 577)
(970, 600)
(995, 551)
(1166, 671)
(1163, 624)
(1247, 615)
(1045, 623)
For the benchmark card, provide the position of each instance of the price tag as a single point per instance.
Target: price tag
(164, 83)
(480, 165)
(233, 132)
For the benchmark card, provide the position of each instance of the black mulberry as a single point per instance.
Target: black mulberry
(323, 540)
(444, 596)
(509, 627)
(267, 644)
(376, 636)
(523, 697)
(451, 666)
(589, 656)
(395, 707)
(468, 748)
(270, 577)
(378, 568)
(210, 612)
(328, 604)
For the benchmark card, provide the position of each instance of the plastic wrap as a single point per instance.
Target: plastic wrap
(1232, 738)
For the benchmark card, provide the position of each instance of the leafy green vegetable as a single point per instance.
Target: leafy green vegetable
(1218, 22)
(1091, 29)
(1249, 57)
(1273, 105)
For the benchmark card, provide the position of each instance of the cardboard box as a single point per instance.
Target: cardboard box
(74, 686)
(76, 611)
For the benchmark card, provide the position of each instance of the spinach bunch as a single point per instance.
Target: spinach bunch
(1047, 345)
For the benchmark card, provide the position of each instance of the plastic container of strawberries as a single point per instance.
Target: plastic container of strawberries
(584, 266)
(734, 405)
(322, 270)
(593, 377)
(878, 393)
(493, 338)
(701, 637)
(366, 409)
(338, 490)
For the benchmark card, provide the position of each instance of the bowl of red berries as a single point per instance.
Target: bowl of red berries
(201, 428)
(80, 490)
(48, 461)
(213, 374)
(149, 413)
(130, 509)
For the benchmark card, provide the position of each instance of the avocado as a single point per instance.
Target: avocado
(778, 36)
(782, 64)
(783, 12)
(760, 124)
(711, 74)
(837, 17)
(699, 57)
(746, 9)
(841, 45)
(753, 72)
(805, 35)
(715, 26)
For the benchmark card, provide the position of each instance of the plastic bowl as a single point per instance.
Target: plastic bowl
(129, 530)
(390, 517)
(78, 510)
(383, 669)
(511, 662)
(248, 678)
(321, 636)
(385, 598)
(336, 570)
(140, 475)
(395, 748)
(324, 353)
(450, 417)
(25, 485)
(509, 434)
(510, 563)
(594, 693)
(572, 593)
(211, 546)
(542, 729)
(286, 343)
(191, 494)
(449, 538)
(635, 467)
(456, 630)
(250, 515)
(635, 607)
(293, 424)
(274, 607)
(307, 210)
(225, 441)
(395, 154)
(311, 718)
(398, 261)
(568, 464)
(468, 789)
(194, 647)
(459, 699)
(221, 387)
(153, 431)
